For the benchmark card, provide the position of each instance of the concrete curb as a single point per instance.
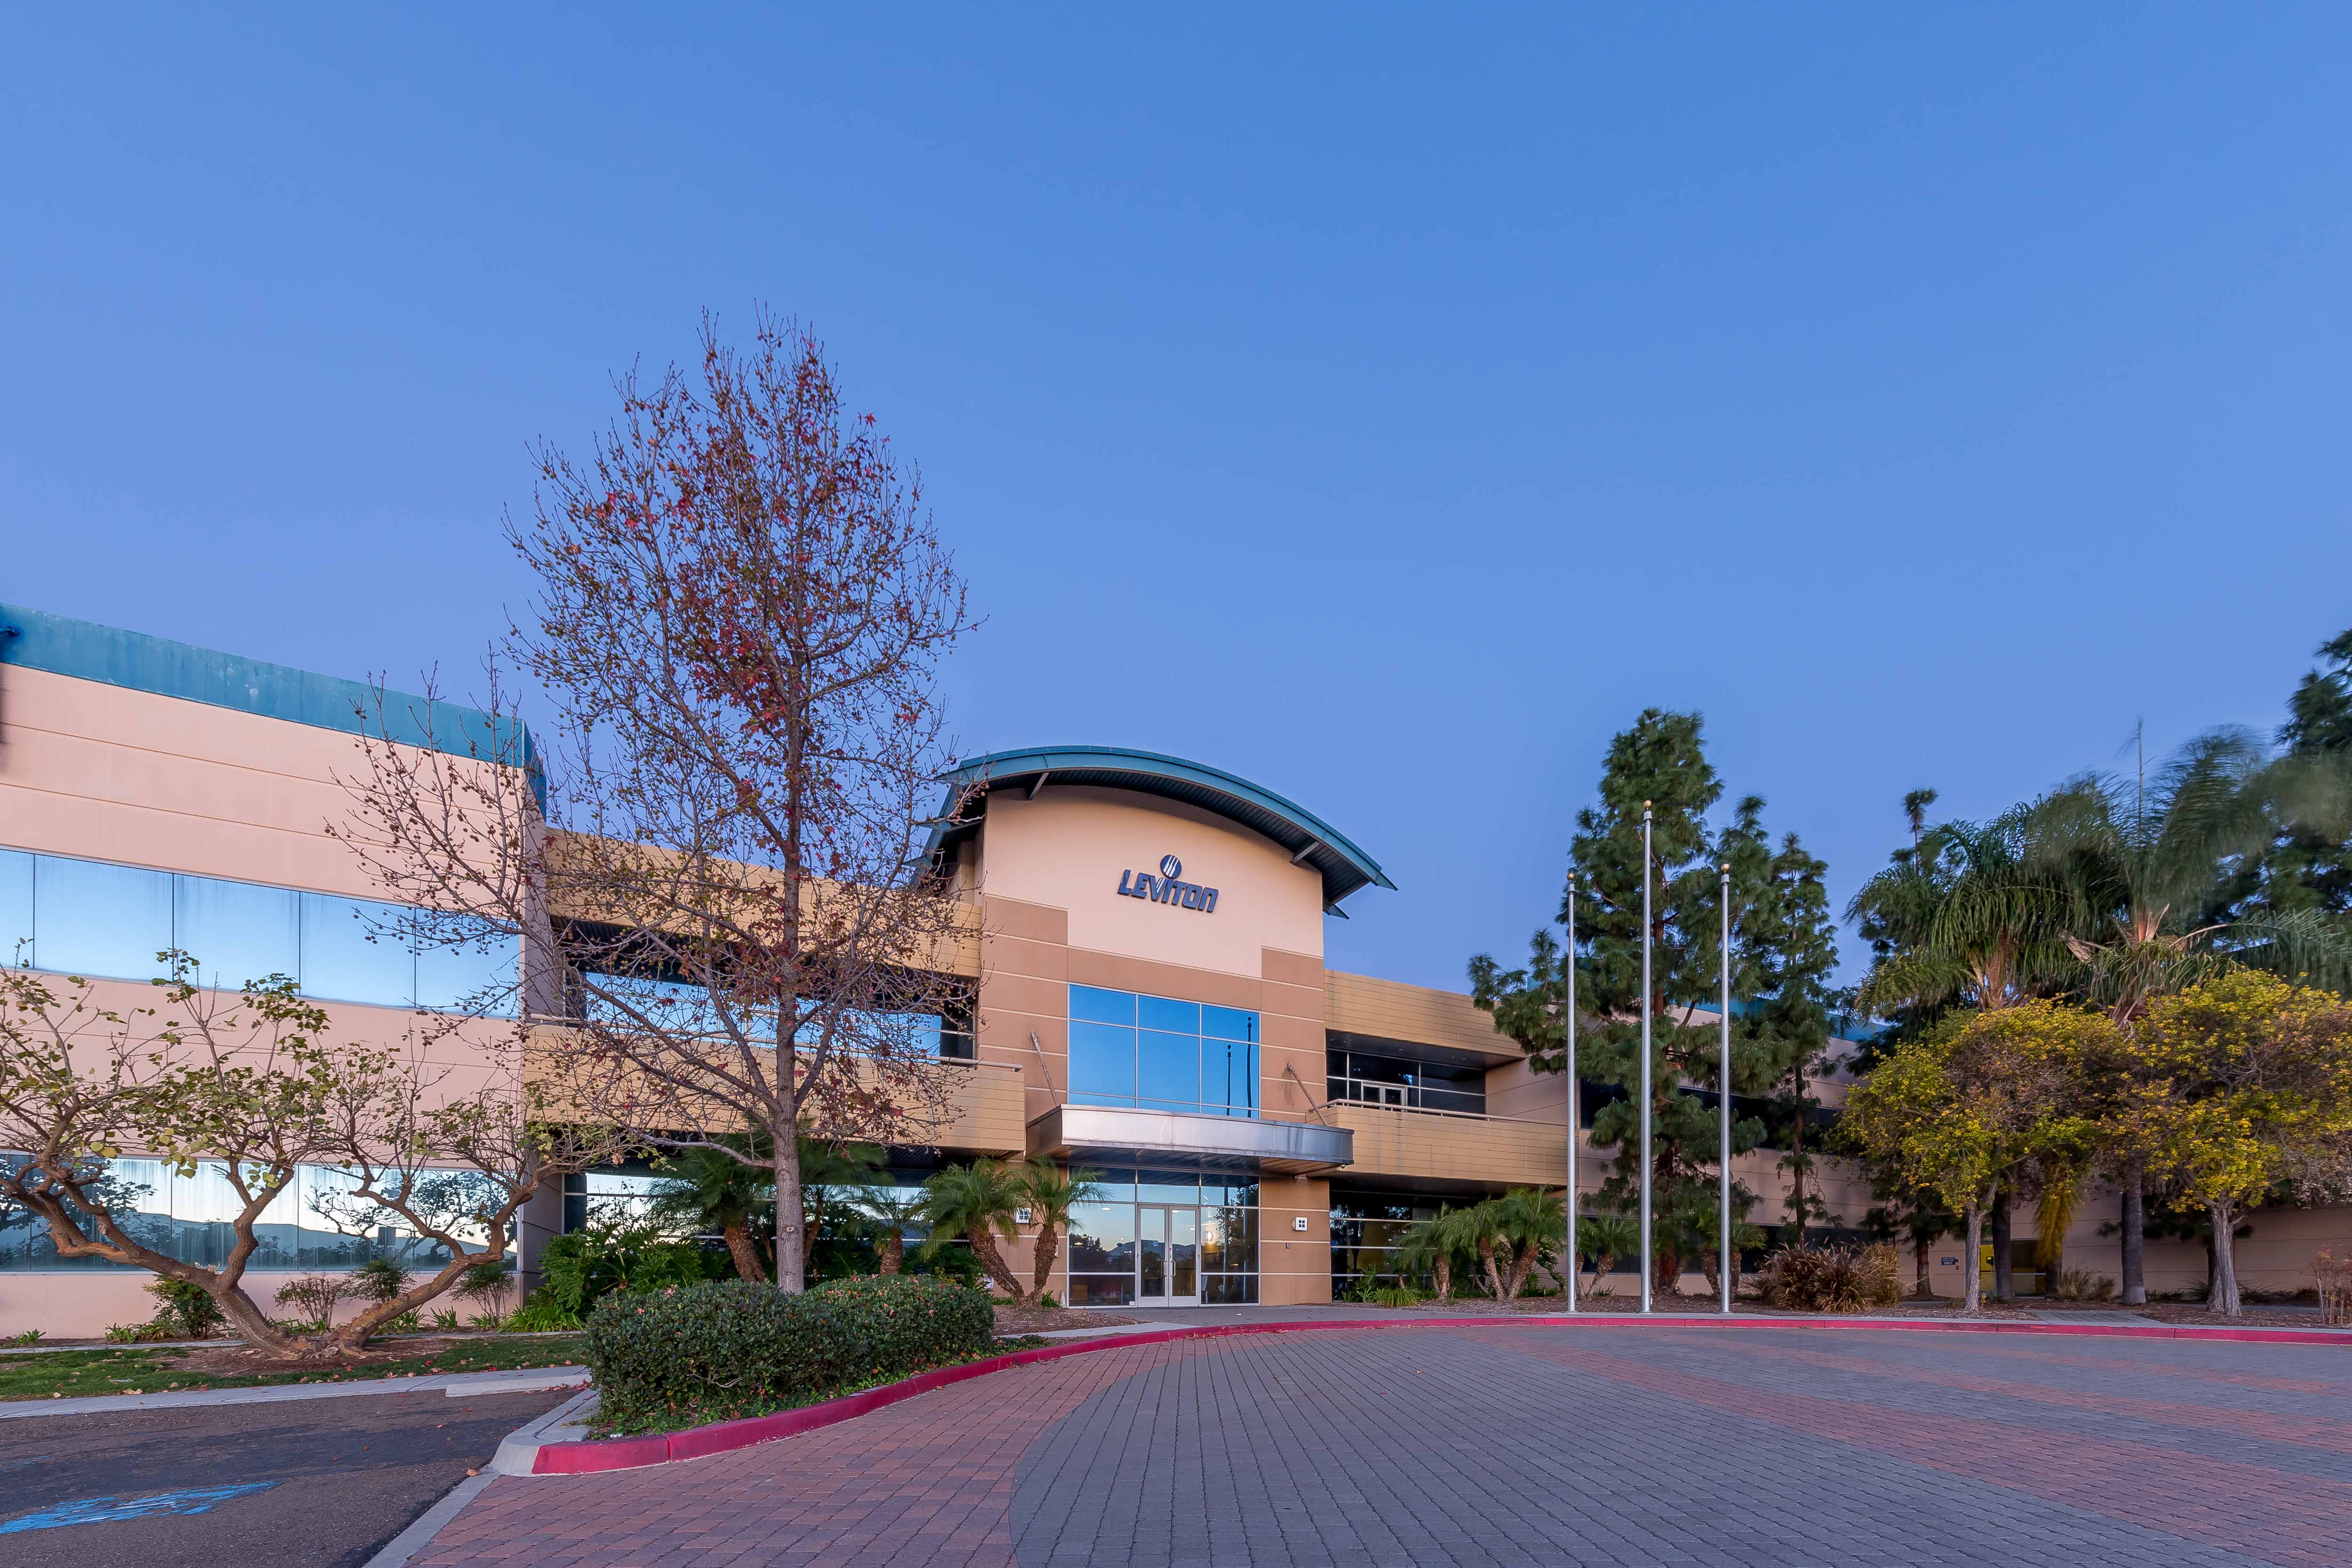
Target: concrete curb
(598, 1455)
(456, 1384)
(519, 1451)
(428, 1524)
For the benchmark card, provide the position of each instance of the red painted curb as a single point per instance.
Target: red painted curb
(723, 1436)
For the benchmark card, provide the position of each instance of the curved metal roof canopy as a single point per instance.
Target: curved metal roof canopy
(1310, 840)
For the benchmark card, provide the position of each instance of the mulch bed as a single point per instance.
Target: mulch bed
(1045, 1319)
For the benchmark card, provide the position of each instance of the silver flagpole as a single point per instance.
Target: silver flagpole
(1572, 1093)
(1724, 1269)
(1646, 1056)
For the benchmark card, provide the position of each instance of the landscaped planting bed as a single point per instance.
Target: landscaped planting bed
(720, 1351)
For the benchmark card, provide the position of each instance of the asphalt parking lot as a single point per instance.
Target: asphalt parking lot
(319, 1483)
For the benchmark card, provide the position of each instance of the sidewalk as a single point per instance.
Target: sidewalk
(455, 1385)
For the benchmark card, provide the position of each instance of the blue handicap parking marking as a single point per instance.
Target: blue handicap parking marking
(100, 1510)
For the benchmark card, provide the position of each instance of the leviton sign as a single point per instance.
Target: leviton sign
(1167, 887)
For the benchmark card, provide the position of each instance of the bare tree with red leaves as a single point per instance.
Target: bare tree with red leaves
(740, 610)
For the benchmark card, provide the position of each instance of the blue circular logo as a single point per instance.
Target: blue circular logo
(1170, 866)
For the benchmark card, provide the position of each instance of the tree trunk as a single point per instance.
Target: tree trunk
(792, 1224)
(1486, 1261)
(991, 1263)
(2135, 1239)
(1442, 1271)
(1971, 1271)
(893, 1253)
(1920, 1247)
(253, 1326)
(1049, 1243)
(2224, 1298)
(746, 1255)
(2004, 1248)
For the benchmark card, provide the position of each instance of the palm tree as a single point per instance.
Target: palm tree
(2149, 866)
(1048, 1192)
(977, 1201)
(892, 1212)
(1964, 917)
(1430, 1247)
(708, 1190)
(1605, 1238)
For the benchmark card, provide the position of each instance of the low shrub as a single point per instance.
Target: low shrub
(730, 1347)
(314, 1296)
(2334, 1276)
(1811, 1278)
(2082, 1285)
(183, 1310)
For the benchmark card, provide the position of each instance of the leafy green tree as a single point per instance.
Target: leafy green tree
(1962, 918)
(1432, 1247)
(2308, 864)
(1795, 947)
(1602, 1239)
(1781, 961)
(2254, 1091)
(1962, 1109)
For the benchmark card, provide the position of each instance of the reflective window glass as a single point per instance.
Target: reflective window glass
(477, 975)
(1176, 1017)
(16, 914)
(352, 951)
(237, 931)
(1101, 1238)
(1102, 1290)
(1228, 1022)
(1229, 1076)
(1102, 1060)
(1168, 1187)
(1168, 1067)
(1099, 1006)
(99, 920)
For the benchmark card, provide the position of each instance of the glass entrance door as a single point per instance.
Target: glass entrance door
(1167, 1256)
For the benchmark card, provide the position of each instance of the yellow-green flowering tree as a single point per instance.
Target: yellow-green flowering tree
(2250, 1089)
(1982, 1095)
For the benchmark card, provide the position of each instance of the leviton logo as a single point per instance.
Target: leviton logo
(1167, 887)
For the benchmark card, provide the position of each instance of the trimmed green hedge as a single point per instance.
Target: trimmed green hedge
(713, 1353)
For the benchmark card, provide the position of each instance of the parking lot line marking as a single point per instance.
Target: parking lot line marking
(103, 1509)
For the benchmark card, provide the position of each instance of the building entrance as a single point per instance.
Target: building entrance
(1167, 1256)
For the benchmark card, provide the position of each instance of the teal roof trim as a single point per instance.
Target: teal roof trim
(85, 650)
(1311, 840)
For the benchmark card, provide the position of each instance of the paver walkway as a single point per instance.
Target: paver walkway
(1517, 1443)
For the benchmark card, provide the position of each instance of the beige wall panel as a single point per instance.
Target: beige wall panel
(1018, 956)
(1010, 917)
(1360, 1004)
(1066, 849)
(1293, 1267)
(1004, 992)
(104, 772)
(1516, 1090)
(1434, 1146)
(1292, 969)
(1293, 1001)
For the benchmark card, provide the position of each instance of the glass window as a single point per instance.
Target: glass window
(1229, 1290)
(1102, 1237)
(1102, 1061)
(102, 919)
(1176, 1017)
(1099, 1006)
(1168, 1187)
(351, 951)
(1229, 1077)
(1228, 1022)
(480, 974)
(1168, 1068)
(16, 911)
(1102, 1290)
(237, 931)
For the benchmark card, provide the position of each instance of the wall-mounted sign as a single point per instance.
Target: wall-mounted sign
(1167, 887)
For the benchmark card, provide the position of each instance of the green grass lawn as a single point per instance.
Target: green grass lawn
(71, 1374)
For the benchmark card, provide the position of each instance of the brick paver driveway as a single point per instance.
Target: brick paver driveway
(1518, 1444)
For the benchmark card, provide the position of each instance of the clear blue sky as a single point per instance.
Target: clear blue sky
(1383, 407)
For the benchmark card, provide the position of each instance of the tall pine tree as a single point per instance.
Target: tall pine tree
(1782, 952)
